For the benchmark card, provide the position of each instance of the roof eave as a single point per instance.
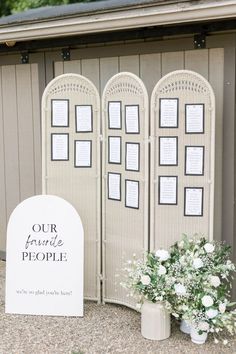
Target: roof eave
(119, 20)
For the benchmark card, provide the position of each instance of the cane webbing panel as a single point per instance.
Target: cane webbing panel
(168, 221)
(125, 230)
(80, 186)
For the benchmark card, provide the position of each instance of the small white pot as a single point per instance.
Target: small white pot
(185, 327)
(155, 321)
(196, 337)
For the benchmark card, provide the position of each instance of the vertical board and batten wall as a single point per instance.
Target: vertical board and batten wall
(150, 68)
(20, 139)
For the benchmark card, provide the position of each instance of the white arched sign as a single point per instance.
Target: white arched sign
(45, 258)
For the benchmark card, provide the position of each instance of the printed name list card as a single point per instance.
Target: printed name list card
(59, 147)
(168, 113)
(83, 153)
(168, 151)
(60, 113)
(114, 149)
(168, 190)
(114, 186)
(194, 160)
(132, 157)
(132, 194)
(193, 201)
(132, 119)
(84, 119)
(194, 118)
(114, 115)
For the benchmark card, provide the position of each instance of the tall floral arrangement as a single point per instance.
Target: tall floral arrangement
(199, 284)
(193, 280)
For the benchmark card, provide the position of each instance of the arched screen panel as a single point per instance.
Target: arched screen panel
(182, 158)
(125, 179)
(71, 160)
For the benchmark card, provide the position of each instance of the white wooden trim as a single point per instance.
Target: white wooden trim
(135, 17)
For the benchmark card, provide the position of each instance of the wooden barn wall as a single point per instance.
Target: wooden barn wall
(21, 87)
(20, 141)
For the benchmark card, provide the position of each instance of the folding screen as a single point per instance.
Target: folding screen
(71, 160)
(182, 158)
(125, 179)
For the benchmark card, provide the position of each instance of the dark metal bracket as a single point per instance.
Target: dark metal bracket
(65, 54)
(24, 58)
(199, 41)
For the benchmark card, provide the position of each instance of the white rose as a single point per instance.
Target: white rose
(214, 281)
(222, 307)
(211, 313)
(182, 260)
(225, 341)
(197, 263)
(209, 248)
(161, 270)
(145, 279)
(203, 326)
(163, 255)
(180, 289)
(207, 301)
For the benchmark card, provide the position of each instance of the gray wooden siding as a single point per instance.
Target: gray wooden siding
(20, 148)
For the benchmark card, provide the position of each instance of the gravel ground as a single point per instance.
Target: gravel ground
(103, 329)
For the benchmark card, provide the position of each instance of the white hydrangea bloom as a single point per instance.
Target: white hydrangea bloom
(207, 301)
(161, 270)
(180, 289)
(214, 281)
(197, 263)
(145, 279)
(209, 248)
(163, 255)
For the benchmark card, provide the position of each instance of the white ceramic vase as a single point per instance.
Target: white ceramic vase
(155, 321)
(196, 337)
(185, 327)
